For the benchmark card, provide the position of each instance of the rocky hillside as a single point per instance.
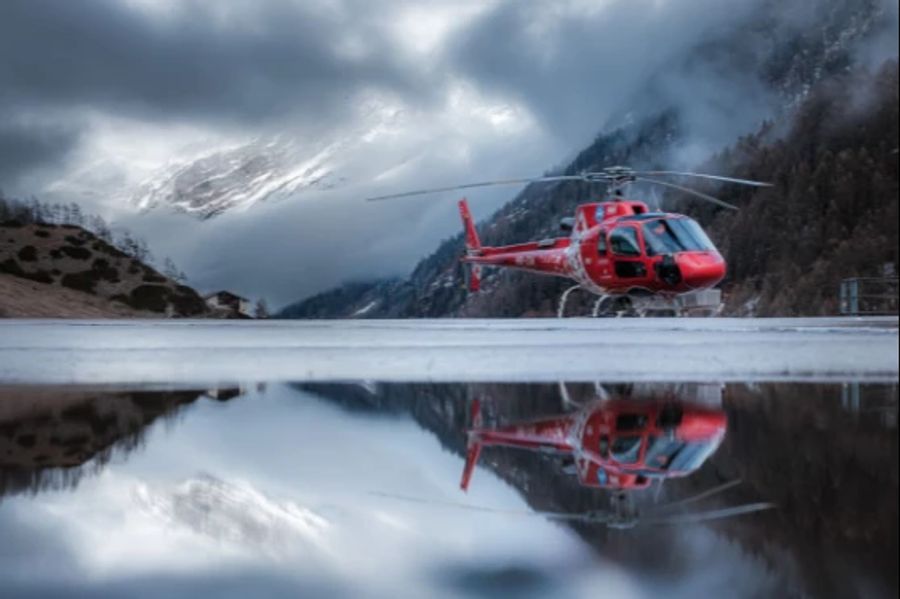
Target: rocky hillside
(830, 148)
(65, 271)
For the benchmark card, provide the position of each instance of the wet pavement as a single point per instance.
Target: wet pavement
(215, 352)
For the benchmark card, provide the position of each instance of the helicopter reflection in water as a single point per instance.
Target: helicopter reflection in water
(612, 442)
(619, 441)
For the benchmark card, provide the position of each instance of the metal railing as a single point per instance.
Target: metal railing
(869, 296)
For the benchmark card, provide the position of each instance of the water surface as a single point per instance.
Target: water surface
(354, 490)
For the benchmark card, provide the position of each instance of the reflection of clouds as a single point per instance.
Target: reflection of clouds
(235, 513)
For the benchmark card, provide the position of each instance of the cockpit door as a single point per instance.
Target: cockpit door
(630, 264)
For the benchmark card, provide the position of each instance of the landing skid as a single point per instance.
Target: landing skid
(700, 303)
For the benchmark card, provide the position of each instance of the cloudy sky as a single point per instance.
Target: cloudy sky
(100, 96)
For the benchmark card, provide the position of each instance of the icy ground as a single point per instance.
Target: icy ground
(171, 352)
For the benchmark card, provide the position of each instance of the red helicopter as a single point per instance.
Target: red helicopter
(634, 258)
(614, 444)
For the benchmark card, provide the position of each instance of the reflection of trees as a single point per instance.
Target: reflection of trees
(832, 470)
(51, 438)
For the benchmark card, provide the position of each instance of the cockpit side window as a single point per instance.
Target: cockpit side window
(624, 241)
(626, 449)
(602, 248)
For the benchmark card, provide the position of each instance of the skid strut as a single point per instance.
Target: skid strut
(599, 303)
(561, 310)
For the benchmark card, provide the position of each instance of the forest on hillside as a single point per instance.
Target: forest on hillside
(832, 213)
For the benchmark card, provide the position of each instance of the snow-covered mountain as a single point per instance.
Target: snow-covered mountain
(238, 177)
(234, 512)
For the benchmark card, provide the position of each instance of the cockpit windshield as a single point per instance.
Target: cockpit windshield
(674, 455)
(661, 451)
(671, 235)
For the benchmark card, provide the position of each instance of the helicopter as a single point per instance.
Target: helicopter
(632, 258)
(611, 443)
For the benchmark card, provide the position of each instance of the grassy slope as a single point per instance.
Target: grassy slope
(67, 272)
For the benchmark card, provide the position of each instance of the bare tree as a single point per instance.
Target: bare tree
(171, 270)
(261, 310)
(100, 228)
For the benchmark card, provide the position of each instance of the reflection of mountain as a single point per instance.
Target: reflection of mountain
(827, 459)
(51, 438)
(234, 513)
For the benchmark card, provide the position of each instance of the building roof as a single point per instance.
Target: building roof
(225, 293)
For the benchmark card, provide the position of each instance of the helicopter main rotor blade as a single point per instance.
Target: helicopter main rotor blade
(690, 191)
(703, 176)
(694, 498)
(720, 514)
(490, 510)
(501, 182)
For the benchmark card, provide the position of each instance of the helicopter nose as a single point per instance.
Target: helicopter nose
(699, 423)
(701, 270)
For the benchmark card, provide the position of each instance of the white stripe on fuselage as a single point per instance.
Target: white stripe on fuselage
(576, 264)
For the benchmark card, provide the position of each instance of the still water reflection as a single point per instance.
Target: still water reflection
(450, 490)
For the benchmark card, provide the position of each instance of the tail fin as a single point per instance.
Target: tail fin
(473, 244)
(472, 241)
(473, 447)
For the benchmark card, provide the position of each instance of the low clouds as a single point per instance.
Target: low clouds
(28, 146)
(248, 68)
(575, 63)
(255, 62)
